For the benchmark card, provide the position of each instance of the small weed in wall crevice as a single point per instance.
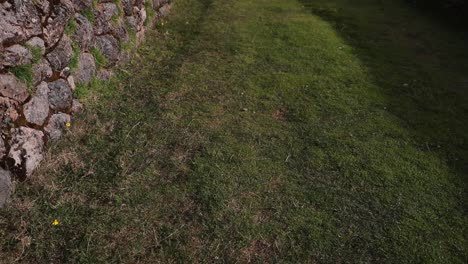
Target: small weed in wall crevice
(71, 27)
(99, 58)
(24, 73)
(75, 57)
(89, 14)
(36, 53)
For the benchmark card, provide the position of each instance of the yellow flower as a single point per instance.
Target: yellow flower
(68, 124)
(55, 222)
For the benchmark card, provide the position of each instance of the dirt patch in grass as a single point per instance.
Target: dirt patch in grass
(256, 250)
(280, 114)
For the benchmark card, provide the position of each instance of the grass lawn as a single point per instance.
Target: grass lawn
(279, 131)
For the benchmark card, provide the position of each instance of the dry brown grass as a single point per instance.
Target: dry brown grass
(280, 114)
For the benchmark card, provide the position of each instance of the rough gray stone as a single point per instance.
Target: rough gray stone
(42, 89)
(120, 32)
(60, 95)
(36, 111)
(86, 69)
(132, 22)
(81, 4)
(41, 71)
(5, 5)
(61, 14)
(84, 34)
(108, 10)
(159, 3)
(104, 74)
(59, 58)
(56, 125)
(105, 24)
(140, 35)
(103, 14)
(41, 23)
(76, 107)
(128, 7)
(19, 22)
(2, 49)
(164, 10)
(71, 82)
(9, 112)
(142, 14)
(43, 6)
(65, 73)
(125, 56)
(2, 148)
(15, 55)
(26, 149)
(13, 88)
(139, 3)
(138, 19)
(109, 47)
(5, 185)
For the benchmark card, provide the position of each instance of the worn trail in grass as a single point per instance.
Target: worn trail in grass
(243, 131)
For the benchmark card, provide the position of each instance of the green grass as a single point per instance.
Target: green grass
(132, 40)
(83, 91)
(115, 20)
(100, 59)
(263, 131)
(119, 8)
(70, 28)
(120, 13)
(24, 73)
(150, 13)
(88, 13)
(418, 64)
(36, 53)
(75, 57)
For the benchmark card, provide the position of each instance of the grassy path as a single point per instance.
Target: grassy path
(257, 131)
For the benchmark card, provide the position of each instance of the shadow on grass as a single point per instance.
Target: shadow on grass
(419, 64)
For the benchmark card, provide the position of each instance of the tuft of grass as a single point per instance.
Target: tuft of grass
(115, 20)
(24, 73)
(36, 53)
(120, 13)
(150, 13)
(82, 92)
(89, 14)
(70, 28)
(75, 57)
(119, 8)
(100, 59)
(131, 43)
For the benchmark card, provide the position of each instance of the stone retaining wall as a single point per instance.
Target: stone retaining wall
(47, 48)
